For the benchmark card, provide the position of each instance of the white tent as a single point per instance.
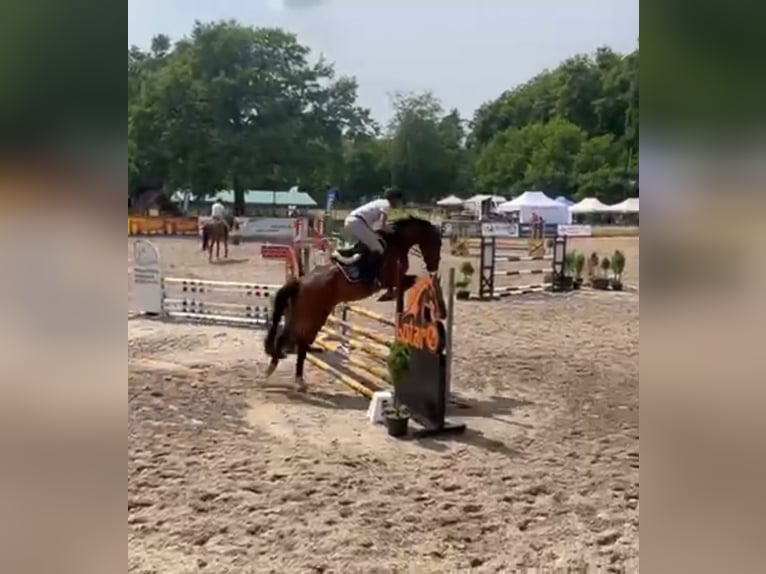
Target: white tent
(451, 201)
(589, 205)
(478, 198)
(630, 205)
(535, 203)
(474, 202)
(563, 200)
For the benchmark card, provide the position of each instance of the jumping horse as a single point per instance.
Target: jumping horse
(215, 231)
(307, 301)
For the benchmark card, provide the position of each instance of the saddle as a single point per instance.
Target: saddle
(356, 263)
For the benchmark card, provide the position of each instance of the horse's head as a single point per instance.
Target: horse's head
(412, 231)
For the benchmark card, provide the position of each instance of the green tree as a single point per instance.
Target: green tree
(239, 107)
(425, 146)
(532, 135)
(551, 165)
(598, 166)
(366, 167)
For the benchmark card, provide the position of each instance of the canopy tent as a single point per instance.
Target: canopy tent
(531, 204)
(451, 201)
(564, 201)
(589, 205)
(473, 203)
(478, 198)
(630, 205)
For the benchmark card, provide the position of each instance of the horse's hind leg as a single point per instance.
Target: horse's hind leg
(272, 366)
(299, 363)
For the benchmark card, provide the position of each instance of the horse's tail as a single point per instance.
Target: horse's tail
(286, 295)
(204, 237)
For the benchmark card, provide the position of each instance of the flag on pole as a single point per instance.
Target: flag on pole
(331, 195)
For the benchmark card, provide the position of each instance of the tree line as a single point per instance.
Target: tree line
(237, 107)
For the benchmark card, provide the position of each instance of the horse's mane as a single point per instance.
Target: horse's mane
(409, 220)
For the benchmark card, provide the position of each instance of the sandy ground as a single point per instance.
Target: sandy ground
(226, 475)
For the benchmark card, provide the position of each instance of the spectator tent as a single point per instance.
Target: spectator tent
(630, 205)
(535, 203)
(589, 205)
(451, 201)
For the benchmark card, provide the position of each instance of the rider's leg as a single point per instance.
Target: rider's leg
(365, 235)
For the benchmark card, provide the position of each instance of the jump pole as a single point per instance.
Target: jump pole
(450, 326)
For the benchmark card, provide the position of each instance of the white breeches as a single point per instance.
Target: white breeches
(360, 231)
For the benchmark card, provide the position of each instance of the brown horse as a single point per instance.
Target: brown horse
(310, 299)
(215, 231)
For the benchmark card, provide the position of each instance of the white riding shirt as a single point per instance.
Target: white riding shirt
(217, 210)
(372, 213)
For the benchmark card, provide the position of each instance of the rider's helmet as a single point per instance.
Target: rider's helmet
(393, 195)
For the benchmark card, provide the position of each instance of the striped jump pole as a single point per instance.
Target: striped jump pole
(233, 303)
(490, 259)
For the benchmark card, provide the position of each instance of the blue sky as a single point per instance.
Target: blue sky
(465, 51)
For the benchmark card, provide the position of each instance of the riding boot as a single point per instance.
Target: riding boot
(372, 271)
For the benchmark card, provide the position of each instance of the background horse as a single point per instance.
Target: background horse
(310, 299)
(215, 231)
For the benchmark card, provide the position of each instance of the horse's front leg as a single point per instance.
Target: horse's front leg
(226, 247)
(394, 275)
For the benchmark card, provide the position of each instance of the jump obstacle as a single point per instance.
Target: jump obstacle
(187, 298)
(491, 258)
(354, 354)
(528, 239)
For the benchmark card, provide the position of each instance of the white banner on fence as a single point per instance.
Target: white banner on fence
(499, 229)
(147, 277)
(267, 227)
(575, 230)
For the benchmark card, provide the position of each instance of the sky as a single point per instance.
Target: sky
(466, 52)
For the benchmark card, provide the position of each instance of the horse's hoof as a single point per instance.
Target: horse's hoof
(300, 385)
(387, 296)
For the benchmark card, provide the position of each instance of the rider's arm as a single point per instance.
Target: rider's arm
(384, 222)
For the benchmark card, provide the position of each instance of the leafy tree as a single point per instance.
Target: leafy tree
(537, 135)
(599, 168)
(366, 167)
(239, 107)
(552, 162)
(426, 147)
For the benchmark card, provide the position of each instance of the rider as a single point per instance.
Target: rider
(365, 221)
(218, 210)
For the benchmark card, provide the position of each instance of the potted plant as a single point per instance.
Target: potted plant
(579, 265)
(618, 266)
(569, 262)
(397, 416)
(602, 281)
(466, 272)
(592, 266)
